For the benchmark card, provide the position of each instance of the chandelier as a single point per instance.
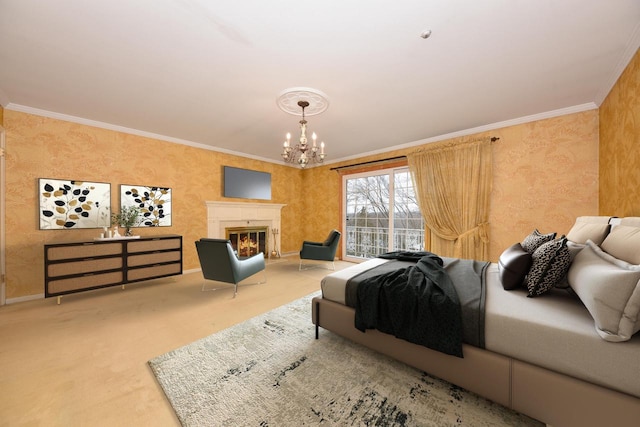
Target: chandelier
(292, 101)
(302, 153)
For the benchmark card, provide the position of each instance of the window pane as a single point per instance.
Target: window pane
(408, 224)
(369, 201)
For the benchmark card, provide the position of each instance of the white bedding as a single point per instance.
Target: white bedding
(554, 331)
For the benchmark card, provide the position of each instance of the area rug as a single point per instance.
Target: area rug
(270, 371)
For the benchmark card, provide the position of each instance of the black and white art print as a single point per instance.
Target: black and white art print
(154, 204)
(73, 204)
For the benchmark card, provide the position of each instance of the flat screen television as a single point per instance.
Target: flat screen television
(246, 184)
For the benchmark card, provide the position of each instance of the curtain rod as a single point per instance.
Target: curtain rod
(369, 163)
(493, 139)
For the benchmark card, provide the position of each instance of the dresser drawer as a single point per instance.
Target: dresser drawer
(155, 258)
(84, 282)
(85, 266)
(153, 245)
(85, 250)
(155, 271)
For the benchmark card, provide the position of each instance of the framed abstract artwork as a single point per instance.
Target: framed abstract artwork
(154, 204)
(73, 204)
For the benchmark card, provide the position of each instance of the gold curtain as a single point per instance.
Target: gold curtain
(453, 184)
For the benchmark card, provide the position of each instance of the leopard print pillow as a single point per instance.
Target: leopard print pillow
(550, 264)
(535, 239)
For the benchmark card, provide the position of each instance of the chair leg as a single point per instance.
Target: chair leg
(249, 284)
(204, 284)
(235, 285)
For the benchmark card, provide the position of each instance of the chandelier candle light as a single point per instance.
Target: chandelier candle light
(302, 148)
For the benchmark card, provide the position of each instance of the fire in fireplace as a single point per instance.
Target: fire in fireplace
(248, 241)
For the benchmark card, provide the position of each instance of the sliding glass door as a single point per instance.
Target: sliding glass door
(380, 214)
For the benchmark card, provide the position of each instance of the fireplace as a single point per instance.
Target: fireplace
(248, 241)
(253, 216)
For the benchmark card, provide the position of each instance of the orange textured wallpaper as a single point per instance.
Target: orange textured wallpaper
(40, 147)
(620, 145)
(545, 175)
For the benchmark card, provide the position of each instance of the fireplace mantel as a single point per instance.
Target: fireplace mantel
(221, 215)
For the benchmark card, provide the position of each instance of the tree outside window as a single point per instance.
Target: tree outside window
(381, 214)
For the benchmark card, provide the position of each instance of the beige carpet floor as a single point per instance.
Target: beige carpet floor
(84, 362)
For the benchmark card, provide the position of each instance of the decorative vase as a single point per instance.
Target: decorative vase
(128, 232)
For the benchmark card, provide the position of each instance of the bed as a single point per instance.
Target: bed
(553, 356)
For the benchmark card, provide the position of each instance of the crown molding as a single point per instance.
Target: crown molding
(629, 52)
(485, 128)
(109, 126)
(471, 131)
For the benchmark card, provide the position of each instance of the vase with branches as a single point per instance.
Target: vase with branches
(128, 217)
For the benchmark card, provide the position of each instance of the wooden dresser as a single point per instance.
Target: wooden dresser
(81, 266)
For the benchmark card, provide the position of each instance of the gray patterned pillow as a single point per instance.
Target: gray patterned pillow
(534, 240)
(551, 262)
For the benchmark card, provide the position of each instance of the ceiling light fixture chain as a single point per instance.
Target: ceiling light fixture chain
(302, 153)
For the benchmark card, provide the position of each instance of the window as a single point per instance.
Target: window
(381, 214)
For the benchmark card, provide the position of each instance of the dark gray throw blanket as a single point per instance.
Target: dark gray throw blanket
(422, 298)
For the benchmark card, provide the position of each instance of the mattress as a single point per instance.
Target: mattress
(554, 331)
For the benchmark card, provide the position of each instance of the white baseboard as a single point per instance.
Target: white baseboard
(23, 299)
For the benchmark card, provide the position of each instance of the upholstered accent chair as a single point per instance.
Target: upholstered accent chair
(220, 263)
(320, 251)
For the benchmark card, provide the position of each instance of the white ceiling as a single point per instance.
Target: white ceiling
(207, 73)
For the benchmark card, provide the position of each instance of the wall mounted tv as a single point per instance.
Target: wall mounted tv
(246, 184)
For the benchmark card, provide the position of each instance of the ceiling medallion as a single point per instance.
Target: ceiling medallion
(288, 101)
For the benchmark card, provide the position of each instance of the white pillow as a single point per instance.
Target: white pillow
(589, 228)
(624, 243)
(574, 249)
(633, 221)
(610, 289)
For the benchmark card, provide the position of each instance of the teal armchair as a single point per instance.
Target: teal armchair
(220, 263)
(321, 251)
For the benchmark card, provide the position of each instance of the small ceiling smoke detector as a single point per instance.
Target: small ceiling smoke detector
(426, 34)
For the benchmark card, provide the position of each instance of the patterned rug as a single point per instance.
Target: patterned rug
(270, 371)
